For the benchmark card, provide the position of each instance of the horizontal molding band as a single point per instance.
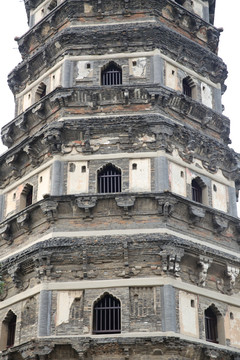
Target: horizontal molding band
(233, 300)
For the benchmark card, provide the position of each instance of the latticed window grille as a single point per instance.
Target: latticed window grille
(196, 191)
(107, 315)
(112, 75)
(109, 179)
(211, 326)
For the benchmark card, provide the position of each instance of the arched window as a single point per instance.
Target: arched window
(111, 74)
(109, 179)
(26, 196)
(11, 330)
(196, 191)
(211, 325)
(107, 315)
(8, 331)
(41, 91)
(187, 86)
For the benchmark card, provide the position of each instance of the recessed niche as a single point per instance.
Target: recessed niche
(72, 167)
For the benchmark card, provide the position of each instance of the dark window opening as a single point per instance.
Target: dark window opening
(134, 166)
(29, 196)
(211, 325)
(72, 167)
(187, 90)
(196, 191)
(41, 91)
(109, 179)
(107, 316)
(112, 74)
(11, 331)
(26, 197)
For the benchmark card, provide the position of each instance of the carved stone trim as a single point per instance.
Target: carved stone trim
(31, 151)
(87, 203)
(49, 208)
(52, 138)
(7, 136)
(232, 274)
(43, 265)
(23, 221)
(21, 122)
(204, 264)
(220, 224)
(166, 204)
(5, 233)
(125, 202)
(171, 258)
(11, 161)
(15, 273)
(196, 214)
(39, 110)
(61, 99)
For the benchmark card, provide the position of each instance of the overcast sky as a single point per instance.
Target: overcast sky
(14, 23)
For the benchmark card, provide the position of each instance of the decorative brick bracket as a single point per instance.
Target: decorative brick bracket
(49, 208)
(5, 233)
(171, 258)
(166, 205)
(232, 274)
(23, 221)
(204, 264)
(87, 203)
(196, 214)
(125, 202)
(220, 224)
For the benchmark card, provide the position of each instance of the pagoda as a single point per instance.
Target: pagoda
(119, 234)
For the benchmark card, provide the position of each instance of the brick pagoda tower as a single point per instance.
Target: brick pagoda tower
(119, 235)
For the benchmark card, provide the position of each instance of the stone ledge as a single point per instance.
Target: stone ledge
(158, 344)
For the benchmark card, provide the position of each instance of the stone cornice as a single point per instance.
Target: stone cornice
(97, 99)
(201, 31)
(79, 41)
(199, 139)
(85, 346)
(168, 210)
